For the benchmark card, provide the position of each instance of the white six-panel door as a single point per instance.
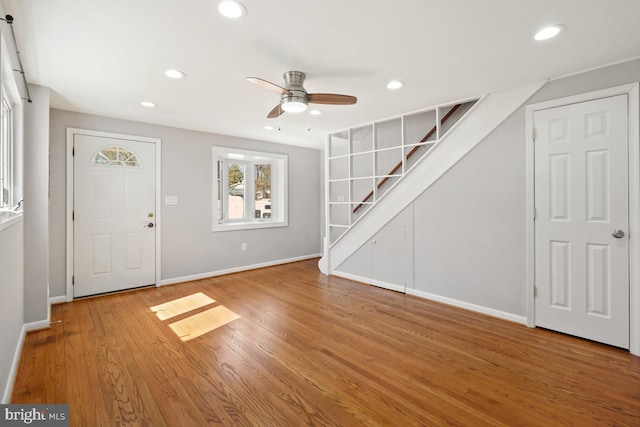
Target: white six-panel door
(581, 201)
(114, 214)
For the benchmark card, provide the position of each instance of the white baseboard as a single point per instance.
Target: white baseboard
(366, 281)
(350, 276)
(433, 297)
(36, 326)
(57, 300)
(8, 390)
(390, 286)
(468, 306)
(235, 270)
(27, 327)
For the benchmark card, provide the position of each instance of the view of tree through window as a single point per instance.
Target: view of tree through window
(236, 191)
(250, 189)
(262, 179)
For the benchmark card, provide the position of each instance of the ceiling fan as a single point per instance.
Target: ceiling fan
(294, 98)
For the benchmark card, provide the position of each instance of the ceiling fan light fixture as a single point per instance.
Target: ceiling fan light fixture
(394, 84)
(315, 112)
(231, 9)
(147, 104)
(174, 74)
(549, 32)
(294, 106)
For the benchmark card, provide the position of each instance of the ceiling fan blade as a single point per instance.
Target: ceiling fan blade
(331, 98)
(268, 85)
(276, 112)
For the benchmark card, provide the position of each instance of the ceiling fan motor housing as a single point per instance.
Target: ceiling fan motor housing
(294, 81)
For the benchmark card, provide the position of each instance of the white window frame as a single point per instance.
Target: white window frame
(10, 141)
(6, 149)
(279, 188)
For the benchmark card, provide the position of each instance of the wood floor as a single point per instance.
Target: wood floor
(314, 350)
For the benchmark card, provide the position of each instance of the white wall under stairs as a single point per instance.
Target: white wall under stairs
(486, 116)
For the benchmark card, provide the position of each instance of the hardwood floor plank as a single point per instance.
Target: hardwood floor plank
(308, 349)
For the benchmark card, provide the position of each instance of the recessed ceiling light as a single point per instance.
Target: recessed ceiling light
(394, 84)
(267, 127)
(231, 9)
(315, 112)
(174, 74)
(548, 32)
(147, 104)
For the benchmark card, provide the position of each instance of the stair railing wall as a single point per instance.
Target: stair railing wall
(363, 163)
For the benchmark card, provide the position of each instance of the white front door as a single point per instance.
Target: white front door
(113, 214)
(581, 201)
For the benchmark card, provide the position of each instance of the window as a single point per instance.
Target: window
(10, 142)
(6, 151)
(250, 189)
(116, 156)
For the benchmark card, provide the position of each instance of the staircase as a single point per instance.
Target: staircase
(415, 150)
(377, 170)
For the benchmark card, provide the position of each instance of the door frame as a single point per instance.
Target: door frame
(71, 132)
(633, 92)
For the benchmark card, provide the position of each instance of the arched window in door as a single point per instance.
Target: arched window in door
(116, 156)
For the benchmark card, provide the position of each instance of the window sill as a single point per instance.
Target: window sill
(8, 218)
(249, 225)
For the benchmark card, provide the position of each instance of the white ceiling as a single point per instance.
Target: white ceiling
(105, 56)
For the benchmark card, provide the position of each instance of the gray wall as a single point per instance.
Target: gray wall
(11, 303)
(470, 241)
(11, 264)
(188, 245)
(36, 205)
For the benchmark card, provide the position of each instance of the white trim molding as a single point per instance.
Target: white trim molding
(207, 275)
(71, 132)
(633, 92)
(17, 354)
(366, 281)
(468, 306)
(57, 300)
(349, 276)
(437, 298)
(11, 379)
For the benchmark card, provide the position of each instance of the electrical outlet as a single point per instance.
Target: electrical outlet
(244, 247)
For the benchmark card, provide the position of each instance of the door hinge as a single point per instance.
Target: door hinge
(73, 280)
(73, 151)
(535, 291)
(73, 215)
(535, 213)
(533, 135)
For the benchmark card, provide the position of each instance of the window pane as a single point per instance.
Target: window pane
(116, 156)
(219, 185)
(5, 153)
(251, 189)
(262, 177)
(236, 191)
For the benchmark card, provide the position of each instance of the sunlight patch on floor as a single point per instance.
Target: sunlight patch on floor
(201, 323)
(181, 305)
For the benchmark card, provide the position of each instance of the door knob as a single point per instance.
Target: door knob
(617, 233)
(150, 225)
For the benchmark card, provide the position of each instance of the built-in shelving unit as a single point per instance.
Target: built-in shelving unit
(364, 162)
